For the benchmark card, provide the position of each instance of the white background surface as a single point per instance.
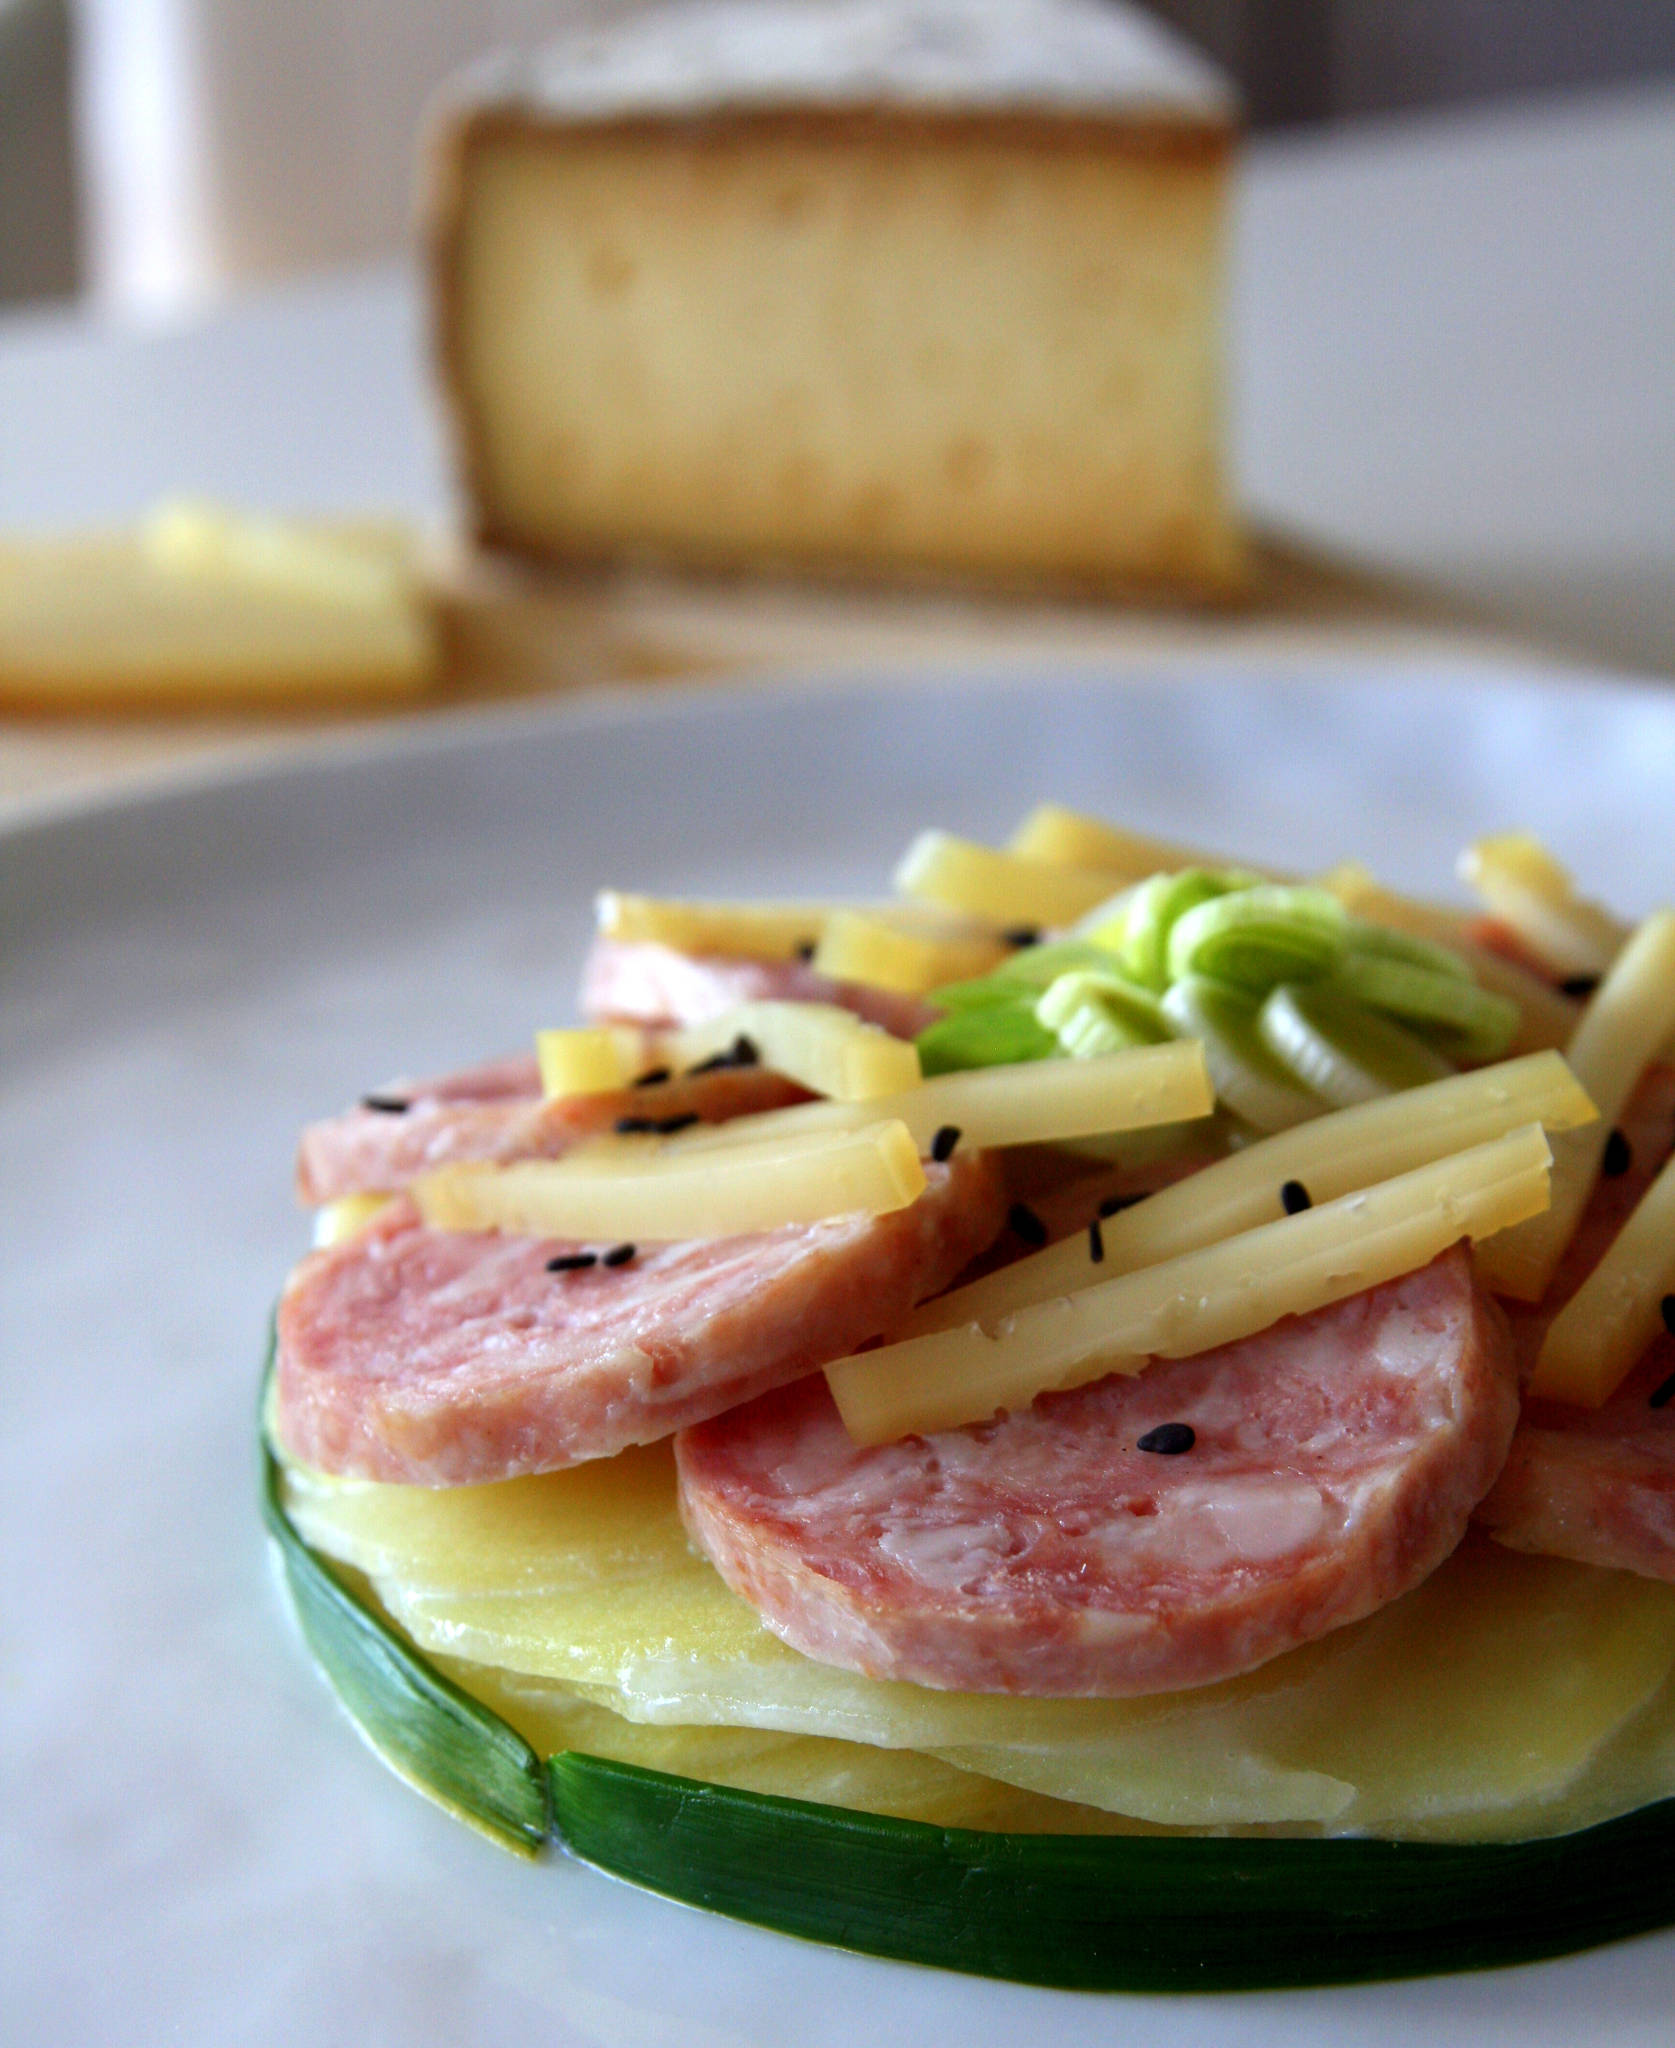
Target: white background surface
(1452, 354)
(194, 1847)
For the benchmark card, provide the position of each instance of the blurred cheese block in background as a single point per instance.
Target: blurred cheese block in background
(198, 606)
(929, 289)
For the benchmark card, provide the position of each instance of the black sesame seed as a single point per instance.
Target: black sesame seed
(741, 1053)
(1618, 1157)
(804, 950)
(1666, 1309)
(1026, 1224)
(572, 1262)
(1022, 935)
(1295, 1198)
(668, 1125)
(942, 1145)
(1096, 1243)
(653, 1077)
(618, 1255)
(1662, 1395)
(1114, 1205)
(1169, 1439)
(630, 1126)
(1580, 985)
(387, 1105)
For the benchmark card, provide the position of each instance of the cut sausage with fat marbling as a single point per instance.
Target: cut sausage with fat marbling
(1598, 1484)
(496, 1113)
(1333, 1462)
(645, 983)
(446, 1358)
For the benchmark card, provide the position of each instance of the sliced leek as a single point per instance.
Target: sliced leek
(828, 1050)
(1548, 1017)
(1621, 1031)
(1039, 1104)
(1003, 888)
(1195, 1302)
(1333, 1156)
(1247, 1077)
(1596, 1339)
(1446, 1006)
(1095, 1013)
(1340, 1051)
(634, 1192)
(1254, 938)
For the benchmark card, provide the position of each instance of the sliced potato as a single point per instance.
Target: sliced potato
(1597, 1338)
(869, 947)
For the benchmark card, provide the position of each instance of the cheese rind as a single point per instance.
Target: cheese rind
(874, 328)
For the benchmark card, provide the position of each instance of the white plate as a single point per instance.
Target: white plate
(194, 1848)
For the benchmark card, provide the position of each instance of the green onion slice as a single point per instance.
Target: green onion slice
(1340, 1051)
(1027, 973)
(1260, 937)
(1380, 942)
(1153, 910)
(1247, 1077)
(1467, 1021)
(996, 1035)
(1095, 1013)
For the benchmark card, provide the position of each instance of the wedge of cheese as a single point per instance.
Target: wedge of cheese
(197, 606)
(926, 289)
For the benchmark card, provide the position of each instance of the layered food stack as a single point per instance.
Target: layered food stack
(1108, 1340)
(899, 287)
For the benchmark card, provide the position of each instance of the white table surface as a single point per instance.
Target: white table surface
(1453, 355)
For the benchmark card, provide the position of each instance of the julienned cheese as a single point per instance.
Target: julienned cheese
(929, 289)
(199, 606)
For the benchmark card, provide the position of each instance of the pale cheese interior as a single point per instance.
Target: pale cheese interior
(943, 346)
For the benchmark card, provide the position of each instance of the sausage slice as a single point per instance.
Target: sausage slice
(1137, 1535)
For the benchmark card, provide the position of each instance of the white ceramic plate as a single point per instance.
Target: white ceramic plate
(194, 1848)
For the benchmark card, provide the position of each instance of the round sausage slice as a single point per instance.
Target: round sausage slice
(447, 1358)
(1137, 1535)
(496, 1113)
(1598, 1484)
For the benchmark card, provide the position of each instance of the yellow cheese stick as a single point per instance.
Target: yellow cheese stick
(1003, 888)
(198, 605)
(1071, 839)
(753, 1187)
(858, 945)
(1197, 1301)
(1525, 887)
(831, 1051)
(751, 931)
(1040, 1103)
(1332, 1156)
(1597, 1338)
(1619, 1035)
(591, 1061)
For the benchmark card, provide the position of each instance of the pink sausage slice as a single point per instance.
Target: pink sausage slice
(648, 984)
(1334, 1462)
(1598, 1484)
(496, 1113)
(445, 1358)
